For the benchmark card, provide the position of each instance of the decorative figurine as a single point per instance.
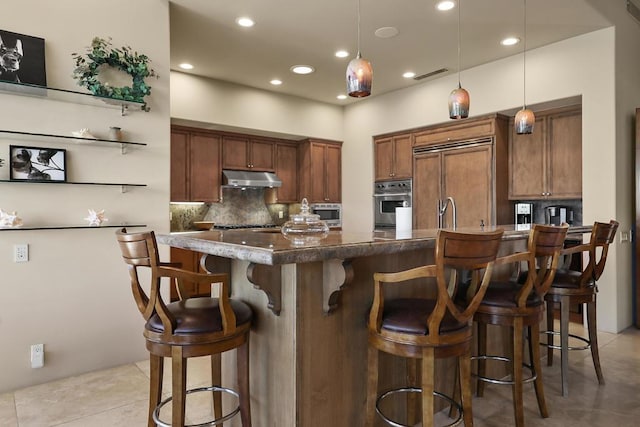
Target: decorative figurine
(83, 133)
(9, 219)
(96, 218)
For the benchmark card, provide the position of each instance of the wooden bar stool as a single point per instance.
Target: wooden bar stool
(520, 306)
(426, 329)
(190, 327)
(579, 287)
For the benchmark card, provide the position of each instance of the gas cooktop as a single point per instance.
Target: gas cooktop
(241, 226)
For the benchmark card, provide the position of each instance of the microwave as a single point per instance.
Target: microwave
(331, 213)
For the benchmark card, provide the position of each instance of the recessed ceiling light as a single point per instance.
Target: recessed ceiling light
(510, 41)
(341, 96)
(276, 82)
(186, 66)
(243, 21)
(302, 69)
(409, 75)
(342, 54)
(446, 5)
(386, 32)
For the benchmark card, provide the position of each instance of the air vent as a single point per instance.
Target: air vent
(431, 74)
(633, 10)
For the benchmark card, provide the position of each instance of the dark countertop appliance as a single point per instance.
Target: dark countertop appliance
(556, 215)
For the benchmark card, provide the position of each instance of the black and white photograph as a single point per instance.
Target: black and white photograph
(37, 164)
(22, 59)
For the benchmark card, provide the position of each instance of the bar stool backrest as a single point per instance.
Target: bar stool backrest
(602, 236)
(545, 244)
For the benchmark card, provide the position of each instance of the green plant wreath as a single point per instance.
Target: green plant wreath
(101, 53)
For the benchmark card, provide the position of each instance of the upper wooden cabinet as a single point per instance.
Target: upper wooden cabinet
(393, 157)
(456, 131)
(320, 171)
(548, 163)
(287, 171)
(245, 153)
(195, 166)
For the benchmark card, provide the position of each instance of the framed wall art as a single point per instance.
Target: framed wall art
(37, 164)
(22, 59)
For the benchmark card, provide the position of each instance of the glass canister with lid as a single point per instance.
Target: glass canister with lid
(305, 228)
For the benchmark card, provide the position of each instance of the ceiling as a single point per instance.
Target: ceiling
(291, 32)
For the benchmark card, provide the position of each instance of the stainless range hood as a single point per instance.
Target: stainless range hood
(241, 179)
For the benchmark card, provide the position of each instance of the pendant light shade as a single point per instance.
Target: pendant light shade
(525, 119)
(459, 98)
(459, 103)
(359, 72)
(359, 77)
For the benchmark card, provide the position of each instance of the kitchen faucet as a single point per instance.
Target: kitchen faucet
(442, 209)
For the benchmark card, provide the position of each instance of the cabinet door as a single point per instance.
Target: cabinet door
(426, 190)
(468, 178)
(204, 171)
(564, 172)
(235, 153)
(527, 163)
(287, 171)
(262, 156)
(402, 157)
(384, 159)
(179, 158)
(317, 173)
(333, 173)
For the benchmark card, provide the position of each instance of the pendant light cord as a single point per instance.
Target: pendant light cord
(524, 57)
(358, 28)
(459, 7)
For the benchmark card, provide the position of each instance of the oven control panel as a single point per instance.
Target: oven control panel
(400, 186)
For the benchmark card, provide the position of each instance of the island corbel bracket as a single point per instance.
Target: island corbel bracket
(268, 279)
(336, 273)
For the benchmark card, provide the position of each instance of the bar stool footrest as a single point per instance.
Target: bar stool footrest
(558, 347)
(529, 379)
(415, 390)
(218, 421)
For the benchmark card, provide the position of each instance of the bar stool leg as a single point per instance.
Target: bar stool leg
(427, 385)
(372, 385)
(593, 339)
(464, 366)
(156, 364)
(242, 361)
(216, 380)
(412, 381)
(482, 363)
(534, 357)
(518, 405)
(564, 344)
(178, 386)
(550, 328)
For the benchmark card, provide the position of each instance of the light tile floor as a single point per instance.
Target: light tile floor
(118, 396)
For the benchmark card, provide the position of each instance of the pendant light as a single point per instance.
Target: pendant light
(525, 119)
(459, 97)
(359, 72)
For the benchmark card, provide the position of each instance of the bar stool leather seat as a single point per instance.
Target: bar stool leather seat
(406, 315)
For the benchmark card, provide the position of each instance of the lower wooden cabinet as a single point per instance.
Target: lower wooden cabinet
(189, 260)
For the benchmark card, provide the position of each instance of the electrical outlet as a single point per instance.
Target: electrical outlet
(280, 214)
(37, 355)
(21, 253)
(625, 236)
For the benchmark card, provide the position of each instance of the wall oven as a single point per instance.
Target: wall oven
(387, 196)
(331, 213)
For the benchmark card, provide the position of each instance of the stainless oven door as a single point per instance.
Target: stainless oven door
(385, 208)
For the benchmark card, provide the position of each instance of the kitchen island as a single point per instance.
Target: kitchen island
(309, 338)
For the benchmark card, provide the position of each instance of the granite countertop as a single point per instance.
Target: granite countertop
(268, 246)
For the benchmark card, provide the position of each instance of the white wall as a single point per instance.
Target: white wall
(74, 294)
(216, 102)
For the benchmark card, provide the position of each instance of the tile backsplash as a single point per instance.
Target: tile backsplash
(237, 207)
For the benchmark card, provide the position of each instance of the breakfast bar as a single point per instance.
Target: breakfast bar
(308, 345)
